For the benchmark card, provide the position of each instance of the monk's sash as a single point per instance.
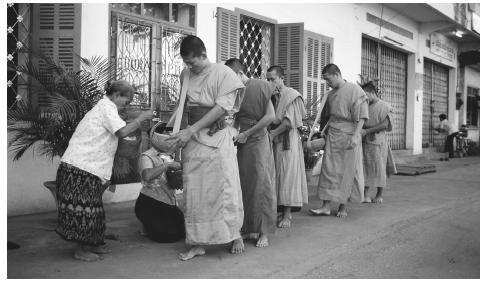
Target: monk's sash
(195, 113)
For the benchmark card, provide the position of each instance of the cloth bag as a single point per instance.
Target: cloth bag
(318, 166)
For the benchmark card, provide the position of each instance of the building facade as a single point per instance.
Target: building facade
(425, 56)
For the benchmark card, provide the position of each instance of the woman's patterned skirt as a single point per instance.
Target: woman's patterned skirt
(81, 217)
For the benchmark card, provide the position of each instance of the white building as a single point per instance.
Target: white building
(426, 57)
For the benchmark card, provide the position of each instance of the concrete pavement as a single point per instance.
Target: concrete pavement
(428, 227)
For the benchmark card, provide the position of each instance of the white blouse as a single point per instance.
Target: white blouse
(94, 143)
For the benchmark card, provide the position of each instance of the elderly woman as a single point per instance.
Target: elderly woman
(86, 168)
(211, 181)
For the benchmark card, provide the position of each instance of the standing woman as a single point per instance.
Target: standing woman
(86, 167)
(211, 182)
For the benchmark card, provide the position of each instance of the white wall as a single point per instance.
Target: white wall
(344, 22)
(445, 8)
(26, 193)
(95, 30)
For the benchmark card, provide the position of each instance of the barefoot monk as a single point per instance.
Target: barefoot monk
(341, 176)
(211, 182)
(255, 157)
(287, 146)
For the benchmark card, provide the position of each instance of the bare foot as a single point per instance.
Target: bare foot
(262, 241)
(342, 211)
(367, 200)
(237, 246)
(320, 211)
(193, 252)
(286, 222)
(101, 250)
(85, 255)
(279, 216)
(378, 200)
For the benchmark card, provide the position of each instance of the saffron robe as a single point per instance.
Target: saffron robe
(255, 162)
(375, 146)
(211, 182)
(341, 177)
(291, 179)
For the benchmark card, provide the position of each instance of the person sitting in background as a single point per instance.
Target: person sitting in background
(448, 128)
(156, 206)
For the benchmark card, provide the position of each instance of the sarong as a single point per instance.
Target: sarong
(257, 175)
(81, 217)
(214, 210)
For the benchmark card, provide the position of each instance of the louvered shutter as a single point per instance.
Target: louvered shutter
(289, 53)
(56, 33)
(326, 58)
(228, 34)
(317, 54)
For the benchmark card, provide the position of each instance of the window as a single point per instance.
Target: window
(256, 46)
(180, 14)
(260, 42)
(145, 46)
(473, 103)
(133, 60)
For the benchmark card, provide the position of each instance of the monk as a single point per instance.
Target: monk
(374, 143)
(291, 180)
(341, 176)
(255, 157)
(211, 182)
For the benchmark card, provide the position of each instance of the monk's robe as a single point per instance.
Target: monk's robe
(255, 161)
(211, 182)
(289, 163)
(375, 146)
(341, 177)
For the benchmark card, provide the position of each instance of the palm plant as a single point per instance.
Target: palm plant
(68, 94)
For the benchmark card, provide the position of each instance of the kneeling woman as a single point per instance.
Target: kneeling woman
(156, 206)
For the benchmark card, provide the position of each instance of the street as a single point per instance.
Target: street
(427, 227)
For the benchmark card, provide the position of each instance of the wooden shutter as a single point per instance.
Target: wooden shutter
(289, 53)
(317, 54)
(56, 33)
(228, 34)
(326, 58)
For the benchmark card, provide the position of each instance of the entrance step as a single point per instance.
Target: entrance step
(415, 169)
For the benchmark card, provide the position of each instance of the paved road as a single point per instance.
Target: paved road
(428, 227)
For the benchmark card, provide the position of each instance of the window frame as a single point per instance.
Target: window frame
(154, 23)
(264, 19)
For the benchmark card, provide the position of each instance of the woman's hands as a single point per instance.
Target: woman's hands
(145, 115)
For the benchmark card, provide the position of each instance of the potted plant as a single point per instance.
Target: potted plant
(69, 96)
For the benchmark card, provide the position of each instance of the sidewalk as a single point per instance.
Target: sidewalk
(428, 227)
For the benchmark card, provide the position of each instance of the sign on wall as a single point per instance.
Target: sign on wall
(442, 46)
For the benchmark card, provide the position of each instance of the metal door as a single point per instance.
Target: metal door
(435, 101)
(389, 66)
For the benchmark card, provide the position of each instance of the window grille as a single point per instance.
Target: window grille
(134, 58)
(255, 46)
(18, 39)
